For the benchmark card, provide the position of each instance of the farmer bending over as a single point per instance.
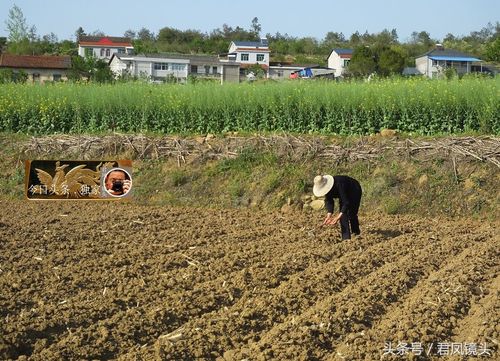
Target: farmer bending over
(348, 191)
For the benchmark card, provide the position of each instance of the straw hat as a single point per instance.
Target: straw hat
(322, 185)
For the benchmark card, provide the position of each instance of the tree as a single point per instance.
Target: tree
(355, 38)
(98, 33)
(145, 35)
(79, 32)
(32, 35)
(256, 70)
(390, 62)
(493, 50)
(3, 43)
(130, 34)
(16, 25)
(423, 38)
(334, 38)
(256, 27)
(362, 62)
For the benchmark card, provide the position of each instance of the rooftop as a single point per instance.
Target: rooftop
(35, 61)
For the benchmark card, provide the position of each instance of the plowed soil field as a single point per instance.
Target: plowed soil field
(110, 280)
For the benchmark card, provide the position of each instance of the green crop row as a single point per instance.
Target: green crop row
(414, 106)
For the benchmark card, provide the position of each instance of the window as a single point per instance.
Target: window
(207, 69)
(260, 57)
(56, 77)
(346, 62)
(36, 77)
(194, 69)
(102, 52)
(244, 57)
(121, 51)
(280, 73)
(177, 67)
(108, 52)
(214, 70)
(160, 66)
(89, 52)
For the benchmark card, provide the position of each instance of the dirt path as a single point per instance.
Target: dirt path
(102, 281)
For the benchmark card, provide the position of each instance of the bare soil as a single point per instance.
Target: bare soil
(111, 280)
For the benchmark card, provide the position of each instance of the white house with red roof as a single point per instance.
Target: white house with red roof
(248, 53)
(103, 47)
(339, 60)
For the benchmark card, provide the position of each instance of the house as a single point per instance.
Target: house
(155, 67)
(161, 67)
(433, 63)
(339, 60)
(248, 53)
(283, 70)
(103, 47)
(39, 68)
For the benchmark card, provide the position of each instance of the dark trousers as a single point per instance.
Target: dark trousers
(351, 216)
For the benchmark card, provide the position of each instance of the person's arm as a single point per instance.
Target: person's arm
(329, 204)
(344, 201)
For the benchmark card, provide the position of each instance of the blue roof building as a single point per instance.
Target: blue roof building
(433, 63)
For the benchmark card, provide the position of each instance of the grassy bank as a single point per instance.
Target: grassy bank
(271, 178)
(416, 106)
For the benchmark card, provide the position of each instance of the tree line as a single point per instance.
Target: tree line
(382, 52)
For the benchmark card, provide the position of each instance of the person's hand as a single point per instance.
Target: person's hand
(331, 221)
(127, 184)
(327, 220)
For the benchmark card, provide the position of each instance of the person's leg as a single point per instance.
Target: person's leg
(344, 226)
(353, 214)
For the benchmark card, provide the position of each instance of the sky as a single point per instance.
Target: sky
(295, 18)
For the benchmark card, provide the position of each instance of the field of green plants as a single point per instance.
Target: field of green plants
(414, 106)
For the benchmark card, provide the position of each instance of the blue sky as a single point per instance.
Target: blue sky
(297, 18)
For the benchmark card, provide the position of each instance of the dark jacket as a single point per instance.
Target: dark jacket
(347, 190)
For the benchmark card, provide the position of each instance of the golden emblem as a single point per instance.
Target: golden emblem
(77, 182)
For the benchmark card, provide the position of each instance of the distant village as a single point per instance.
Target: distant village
(244, 61)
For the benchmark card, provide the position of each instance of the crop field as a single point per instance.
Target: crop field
(414, 106)
(100, 281)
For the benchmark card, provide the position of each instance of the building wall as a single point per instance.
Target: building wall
(425, 65)
(205, 69)
(44, 75)
(144, 67)
(282, 72)
(422, 65)
(252, 54)
(96, 51)
(336, 62)
(231, 73)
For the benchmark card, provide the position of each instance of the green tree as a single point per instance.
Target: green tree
(101, 72)
(16, 25)
(390, 62)
(362, 62)
(145, 35)
(256, 70)
(3, 43)
(493, 50)
(6, 76)
(79, 32)
(130, 34)
(256, 27)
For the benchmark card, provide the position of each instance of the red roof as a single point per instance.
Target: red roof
(35, 61)
(108, 41)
